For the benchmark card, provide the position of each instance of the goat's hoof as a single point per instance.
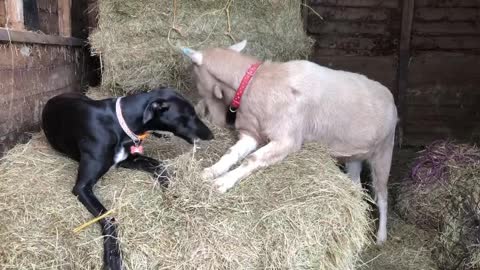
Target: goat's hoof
(207, 174)
(223, 184)
(381, 239)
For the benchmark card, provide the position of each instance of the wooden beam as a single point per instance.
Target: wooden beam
(64, 18)
(14, 10)
(304, 12)
(3, 14)
(92, 14)
(31, 37)
(403, 62)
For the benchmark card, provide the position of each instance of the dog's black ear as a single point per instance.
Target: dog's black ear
(152, 107)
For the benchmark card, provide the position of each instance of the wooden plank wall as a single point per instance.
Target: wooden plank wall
(3, 14)
(48, 16)
(29, 76)
(356, 35)
(443, 97)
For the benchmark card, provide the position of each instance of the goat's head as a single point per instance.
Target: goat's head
(211, 73)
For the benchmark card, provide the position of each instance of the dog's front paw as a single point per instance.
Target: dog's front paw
(208, 174)
(222, 184)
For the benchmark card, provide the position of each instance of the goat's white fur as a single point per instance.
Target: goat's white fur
(287, 104)
(237, 152)
(354, 168)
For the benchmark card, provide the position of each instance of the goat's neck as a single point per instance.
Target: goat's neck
(228, 94)
(231, 77)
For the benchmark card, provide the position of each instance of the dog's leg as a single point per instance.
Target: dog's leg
(147, 164)
(89, 171)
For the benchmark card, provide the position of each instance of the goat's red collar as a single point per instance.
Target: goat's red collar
(235, 104)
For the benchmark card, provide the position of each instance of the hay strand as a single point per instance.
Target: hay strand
(92, 221)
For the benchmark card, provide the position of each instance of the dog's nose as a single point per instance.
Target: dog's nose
(209, 136)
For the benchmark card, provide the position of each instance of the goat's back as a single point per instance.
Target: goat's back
(349, 112)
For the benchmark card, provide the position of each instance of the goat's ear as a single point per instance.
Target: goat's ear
(217, 92)
(153, 107)
(196, 57)
(239, 46)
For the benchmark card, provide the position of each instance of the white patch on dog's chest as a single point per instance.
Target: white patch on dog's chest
(120, 156)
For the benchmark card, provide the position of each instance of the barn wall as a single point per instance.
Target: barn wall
(3, 14)
(30, 74)
(443, 97)
(443, 94)
(356, 35)
(48, 16)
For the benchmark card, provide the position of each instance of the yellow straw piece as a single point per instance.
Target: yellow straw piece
(88, 223)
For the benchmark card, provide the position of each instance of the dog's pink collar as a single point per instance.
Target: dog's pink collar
(137, 139)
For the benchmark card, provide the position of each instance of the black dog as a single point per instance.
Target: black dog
(100, 134)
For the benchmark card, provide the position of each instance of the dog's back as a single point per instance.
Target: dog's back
(63, 119)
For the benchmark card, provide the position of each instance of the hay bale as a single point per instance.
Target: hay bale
(139, 40)
(301, 214)
(457, 245)
(442, 194)
(421, 198)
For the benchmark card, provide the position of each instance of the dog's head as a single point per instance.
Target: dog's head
(168, 111)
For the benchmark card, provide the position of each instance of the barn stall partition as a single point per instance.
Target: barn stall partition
(426, 51)
(42, 54)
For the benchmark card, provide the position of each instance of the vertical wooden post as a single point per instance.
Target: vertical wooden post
(14, 10)
(304, 12)
(3, 14)
(92, 11)
(403, 61)
(64, 17)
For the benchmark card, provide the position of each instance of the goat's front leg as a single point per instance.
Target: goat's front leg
(273, 152)
(237, 152)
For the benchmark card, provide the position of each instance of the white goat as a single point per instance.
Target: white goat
(287, 104)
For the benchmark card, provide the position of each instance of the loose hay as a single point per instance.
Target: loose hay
(443, 194)
(139, 40)
(422, 196)
(458, 243)
(302, 214)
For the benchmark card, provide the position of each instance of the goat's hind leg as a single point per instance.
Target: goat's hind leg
(354, 169)
(380, 164)
(147, 164)
(89, 171)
